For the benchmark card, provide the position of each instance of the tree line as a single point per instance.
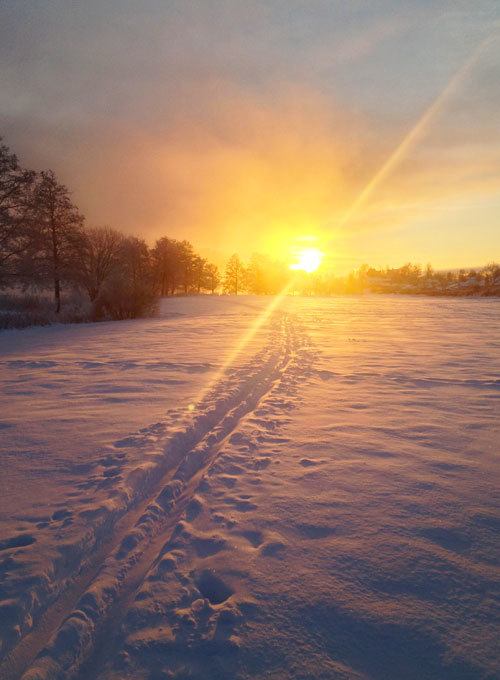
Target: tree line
(260, 276)
(45, 244)
(413, 279)
(264, 276)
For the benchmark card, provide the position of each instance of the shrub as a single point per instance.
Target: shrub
(123, 299)
(20, 310)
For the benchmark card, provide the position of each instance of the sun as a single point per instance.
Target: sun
(307, 260)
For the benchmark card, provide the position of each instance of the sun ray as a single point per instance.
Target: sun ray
(417, 131)
(244, 341)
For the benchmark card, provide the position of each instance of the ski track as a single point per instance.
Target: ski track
(126, 535)
(301, 522)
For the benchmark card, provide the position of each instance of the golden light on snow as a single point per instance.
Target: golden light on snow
(307, 260)
(245, 340)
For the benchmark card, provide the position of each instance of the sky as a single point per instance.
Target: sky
(368, 128)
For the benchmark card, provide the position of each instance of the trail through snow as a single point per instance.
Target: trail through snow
(326, 507)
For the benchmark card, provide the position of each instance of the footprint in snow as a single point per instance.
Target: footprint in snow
(20, 541)
(273, 549)
(212, 587)
(206, 547)
(243, 505)
(194, 508)
(228, 481)
(307, 462)
(61, 514)
(111, 472)
(256, 538)
(315, 530)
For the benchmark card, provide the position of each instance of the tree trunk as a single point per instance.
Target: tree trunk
(57, 282)
(57, 294)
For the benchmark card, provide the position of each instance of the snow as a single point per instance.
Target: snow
(321, 503)
(69, 390)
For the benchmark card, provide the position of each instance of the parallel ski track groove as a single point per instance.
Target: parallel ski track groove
(33, 646)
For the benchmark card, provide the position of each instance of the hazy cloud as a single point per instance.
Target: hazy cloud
(228, 121)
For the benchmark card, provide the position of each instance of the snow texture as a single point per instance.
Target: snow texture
(317, 500)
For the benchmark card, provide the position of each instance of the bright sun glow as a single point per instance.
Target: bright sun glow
(307, 260)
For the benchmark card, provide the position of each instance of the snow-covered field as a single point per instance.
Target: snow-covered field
(225, 492)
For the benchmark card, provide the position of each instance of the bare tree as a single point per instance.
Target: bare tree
(98, 258)
(129, 292)
(212, 277)
(263, 276)
(186, 265)
(15, 187)
(234, 274)
(56, 227)
(165, 256)
(136, 258)
(198, 267)
(175, 265)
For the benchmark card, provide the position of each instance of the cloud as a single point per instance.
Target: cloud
(245, 128)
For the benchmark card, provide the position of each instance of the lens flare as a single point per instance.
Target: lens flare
(418, 130)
